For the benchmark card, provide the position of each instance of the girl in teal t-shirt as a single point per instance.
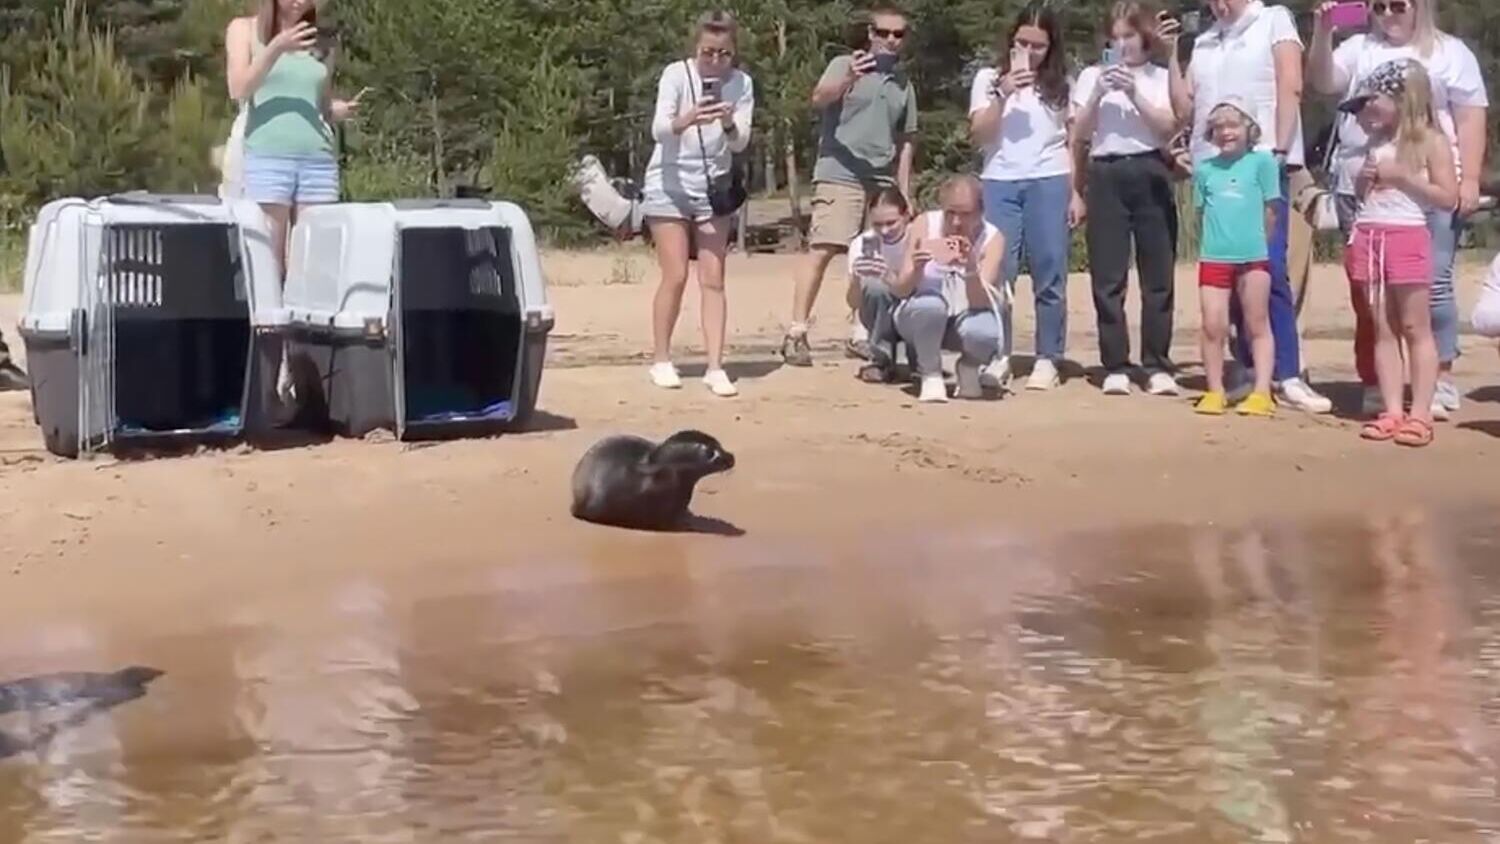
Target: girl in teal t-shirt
(1234, 192)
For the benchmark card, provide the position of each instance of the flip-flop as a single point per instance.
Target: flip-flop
(1384, 428)
(1415, 434)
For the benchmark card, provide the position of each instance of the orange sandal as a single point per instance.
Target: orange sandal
(1384, 429)
(1415, 434)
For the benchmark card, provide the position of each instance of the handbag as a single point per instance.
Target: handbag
(726, 192)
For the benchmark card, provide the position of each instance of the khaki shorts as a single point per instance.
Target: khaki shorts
(838, 214)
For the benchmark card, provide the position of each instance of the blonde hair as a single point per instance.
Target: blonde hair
(1414, 118)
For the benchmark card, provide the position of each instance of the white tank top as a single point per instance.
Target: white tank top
(1387, 206)
(935, 274)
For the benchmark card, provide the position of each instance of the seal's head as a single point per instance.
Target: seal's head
(694, 452)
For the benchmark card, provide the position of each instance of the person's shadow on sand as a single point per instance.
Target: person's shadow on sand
(90, 692)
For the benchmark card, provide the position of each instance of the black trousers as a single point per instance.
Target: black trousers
(4, 350)
(1130, 201)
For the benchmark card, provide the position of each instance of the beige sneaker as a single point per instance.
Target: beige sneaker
(664, 375)
(717, 381)
(1043, 376)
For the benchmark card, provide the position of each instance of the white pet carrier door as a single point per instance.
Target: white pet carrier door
(96, 351)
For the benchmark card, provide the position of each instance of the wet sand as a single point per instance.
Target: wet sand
(822, 459)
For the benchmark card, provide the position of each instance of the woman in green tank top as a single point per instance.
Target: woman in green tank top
(280, 72)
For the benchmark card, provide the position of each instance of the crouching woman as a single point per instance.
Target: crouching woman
(949, 290)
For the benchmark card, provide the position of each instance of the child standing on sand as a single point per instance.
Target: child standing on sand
(1408, 168)
(1487, 312)
(1235, 191)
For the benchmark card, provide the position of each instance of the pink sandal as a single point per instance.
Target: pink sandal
(1415, 434)
(1384, 429)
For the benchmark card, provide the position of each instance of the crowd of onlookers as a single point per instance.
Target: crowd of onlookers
(1104, 149)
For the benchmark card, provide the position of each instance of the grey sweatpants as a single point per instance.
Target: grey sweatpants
(923, 322)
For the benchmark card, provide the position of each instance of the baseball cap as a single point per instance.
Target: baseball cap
(1388, 79)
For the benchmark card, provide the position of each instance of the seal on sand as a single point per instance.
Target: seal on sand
(627, 481)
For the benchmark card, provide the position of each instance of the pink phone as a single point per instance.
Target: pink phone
(1349, 15)
(1020, 60)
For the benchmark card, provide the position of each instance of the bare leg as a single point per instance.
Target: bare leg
(1214, 304)
(280, 217)
(1255, 300)
(1411, 314)
(810, 281)
(671, 240)
(713, 244)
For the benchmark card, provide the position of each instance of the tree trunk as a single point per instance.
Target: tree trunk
(770, 168)
(439, 153)
(794, 190)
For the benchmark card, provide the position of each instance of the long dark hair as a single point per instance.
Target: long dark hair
(1052, 76)
(269, 20)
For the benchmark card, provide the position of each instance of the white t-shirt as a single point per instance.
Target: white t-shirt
(679, 164)
(893, 253)
(1120, 129)
(1240, 61)
(1032, 142)
(1456, 82)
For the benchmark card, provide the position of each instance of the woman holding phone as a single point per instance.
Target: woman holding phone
(280, 69)
(704, 106)
(1124, 115)
(1406, 29)
(1019, 112)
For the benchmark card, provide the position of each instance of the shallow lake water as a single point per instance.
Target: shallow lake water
(1332, 680)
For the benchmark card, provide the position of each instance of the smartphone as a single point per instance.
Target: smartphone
(885, 62)
(870, 246)
(1349, 16)
(1111, 56)
(711, 89)
(1020, 60)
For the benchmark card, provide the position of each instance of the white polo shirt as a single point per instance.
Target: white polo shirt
(1239, 60)
(1456, 83)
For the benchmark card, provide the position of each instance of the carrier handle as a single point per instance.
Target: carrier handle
(141, 197)
(423, 204)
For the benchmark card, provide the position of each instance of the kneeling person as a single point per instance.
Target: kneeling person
(949, 289)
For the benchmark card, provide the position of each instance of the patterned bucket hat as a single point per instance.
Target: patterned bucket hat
(1389, 79)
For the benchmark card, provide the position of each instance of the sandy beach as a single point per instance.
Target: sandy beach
(823, 459)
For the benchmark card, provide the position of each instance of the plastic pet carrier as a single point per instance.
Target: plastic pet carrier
(428, 318)
(149, 319)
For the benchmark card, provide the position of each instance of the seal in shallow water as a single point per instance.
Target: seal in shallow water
(627, 481)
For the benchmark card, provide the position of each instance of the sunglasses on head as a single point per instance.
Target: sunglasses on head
(716, 53)
(1394, 7)
(882, 32)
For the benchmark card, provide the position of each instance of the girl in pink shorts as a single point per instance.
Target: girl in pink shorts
(1408, 168)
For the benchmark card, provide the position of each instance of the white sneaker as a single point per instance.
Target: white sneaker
(1440, 411)
(599, 195)
(664, 375)
(1117, 384)
(933, 389)
(1043, 376)
(1296, 392)
(1448, 395)
(1371, 403)
(857, 332)
(717, 381)
(969, 386)
(1163, 384)
(996, 374)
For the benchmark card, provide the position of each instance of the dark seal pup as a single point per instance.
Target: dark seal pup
(631, 482)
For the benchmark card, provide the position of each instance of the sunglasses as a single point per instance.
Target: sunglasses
(716, 53)
(1394, 7)
(895, 34)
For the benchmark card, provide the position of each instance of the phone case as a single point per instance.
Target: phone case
(1349, 15)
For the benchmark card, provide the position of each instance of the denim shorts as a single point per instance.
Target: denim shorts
(291, 179)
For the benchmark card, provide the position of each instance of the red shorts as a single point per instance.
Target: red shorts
(1392, 254)
(1223, 275)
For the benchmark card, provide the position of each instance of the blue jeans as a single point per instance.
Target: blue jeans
(1283, 305)
(1446, 226)
(1033, 216)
